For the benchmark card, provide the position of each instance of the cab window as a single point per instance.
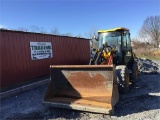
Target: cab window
(126, 40)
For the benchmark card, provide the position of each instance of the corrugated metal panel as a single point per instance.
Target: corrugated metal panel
(17, 65)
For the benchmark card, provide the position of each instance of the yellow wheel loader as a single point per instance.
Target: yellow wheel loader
(95, 87)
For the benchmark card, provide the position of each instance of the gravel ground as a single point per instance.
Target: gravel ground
(141, 103)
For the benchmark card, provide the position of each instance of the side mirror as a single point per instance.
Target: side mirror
(94, 38)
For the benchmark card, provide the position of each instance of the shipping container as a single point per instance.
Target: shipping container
(18, 51)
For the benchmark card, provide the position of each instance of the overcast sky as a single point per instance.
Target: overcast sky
(77, 16)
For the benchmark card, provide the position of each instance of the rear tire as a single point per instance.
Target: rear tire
(122, 78)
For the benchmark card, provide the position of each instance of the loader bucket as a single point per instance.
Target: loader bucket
(92, 88)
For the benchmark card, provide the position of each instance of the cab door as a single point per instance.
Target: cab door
(127, 47)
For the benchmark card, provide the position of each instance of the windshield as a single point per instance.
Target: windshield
(112, 38)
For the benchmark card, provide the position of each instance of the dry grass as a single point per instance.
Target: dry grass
(156, 53)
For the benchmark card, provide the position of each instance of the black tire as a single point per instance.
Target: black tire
(122, 78)
(135, 72)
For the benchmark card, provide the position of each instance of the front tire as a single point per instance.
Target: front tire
(122, 78)
(135, 72)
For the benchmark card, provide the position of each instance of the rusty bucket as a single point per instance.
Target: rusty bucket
(92, 88)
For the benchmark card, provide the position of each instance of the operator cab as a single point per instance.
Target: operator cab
(114, 37)
(119, 39)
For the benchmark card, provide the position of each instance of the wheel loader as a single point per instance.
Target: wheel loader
(95, 87)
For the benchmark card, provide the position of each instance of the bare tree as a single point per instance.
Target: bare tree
(55, 31)
(38, 29)
(34, 28)
(67, 34)
(22, 29)
(42, 30)
(150, 30)
(91, 33)
(79, 36)
(142, 48)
